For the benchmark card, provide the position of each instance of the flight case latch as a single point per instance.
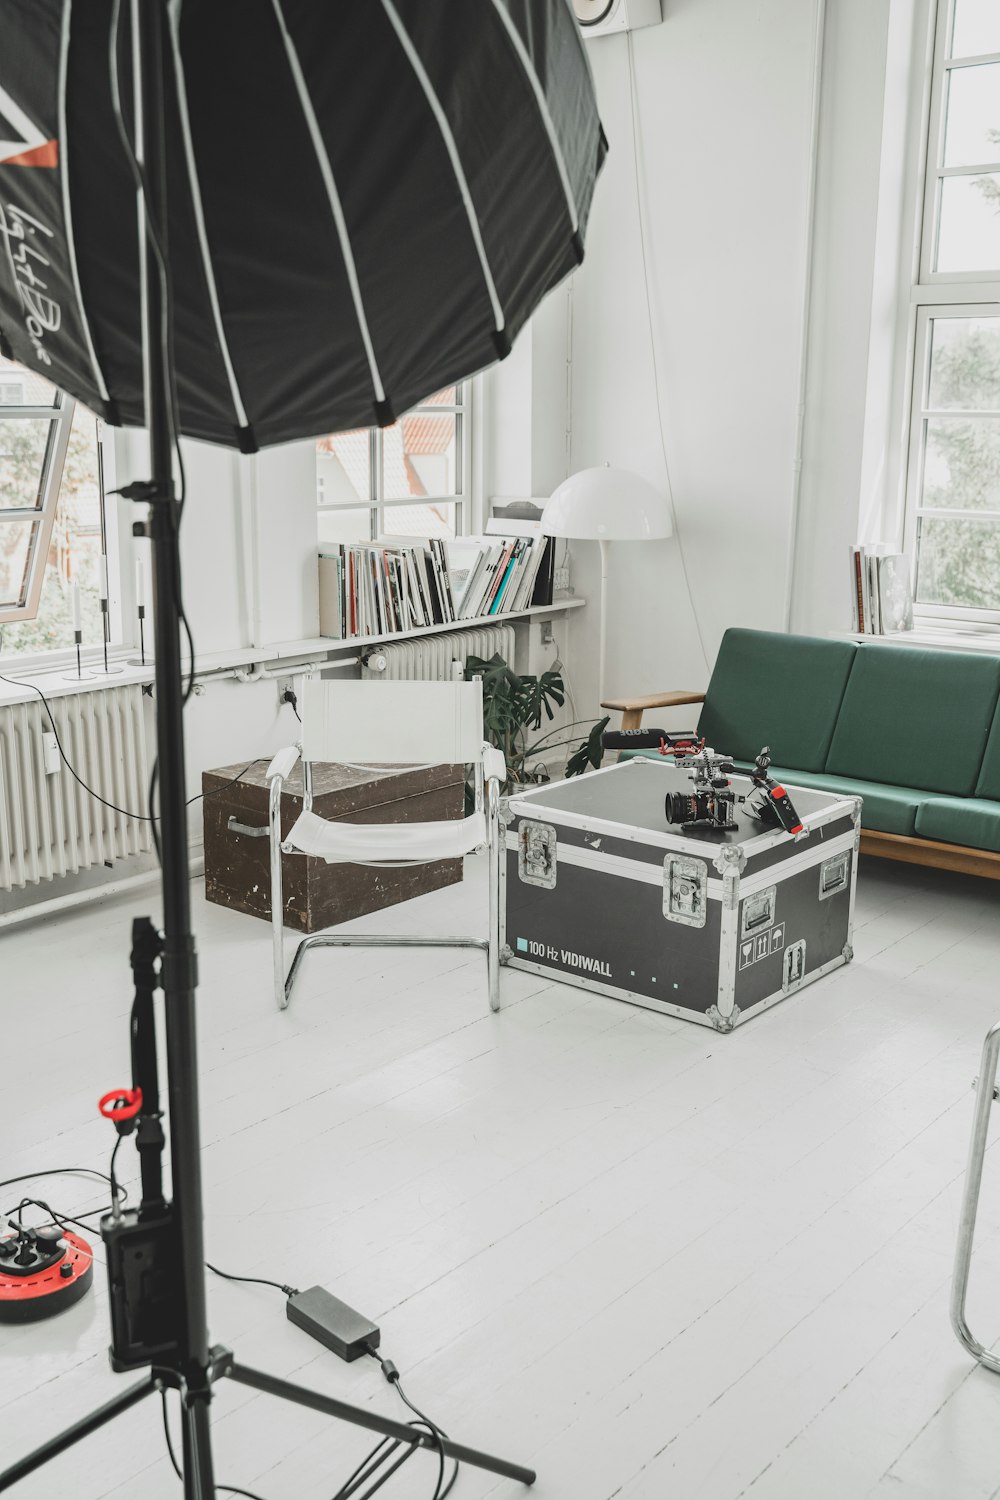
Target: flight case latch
(536, 854)
(685, 890)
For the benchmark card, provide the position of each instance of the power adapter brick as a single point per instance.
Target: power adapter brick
(335, 1325)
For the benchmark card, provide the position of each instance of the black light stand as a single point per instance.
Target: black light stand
(156, 1259)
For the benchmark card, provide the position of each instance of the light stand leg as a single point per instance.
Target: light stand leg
(199, 1480)
(74, 1434)
(362, 1417)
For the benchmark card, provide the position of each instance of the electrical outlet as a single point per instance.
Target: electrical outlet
(545, 627)
(285, 685)
(560, 580)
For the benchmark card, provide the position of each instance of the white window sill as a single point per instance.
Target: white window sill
(986, 641)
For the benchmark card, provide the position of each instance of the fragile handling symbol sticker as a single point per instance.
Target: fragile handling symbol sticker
(753, 949)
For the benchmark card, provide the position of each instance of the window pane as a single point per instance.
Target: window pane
(343, 468)
(419, 520)
(421, 456)
(73, 555)
(965, 364)
(23, 443)
(20, 387)
(15, 550)
(962, 463)
(338, 525)
(972, 133)
(969, 230)
(977, 28)
(959, 563)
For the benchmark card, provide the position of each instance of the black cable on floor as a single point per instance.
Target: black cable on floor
(289, 1291)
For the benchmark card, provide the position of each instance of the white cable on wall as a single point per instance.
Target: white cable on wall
(633, 108)
(807, 284)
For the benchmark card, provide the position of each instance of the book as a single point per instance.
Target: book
(881, 591)
(895, 593)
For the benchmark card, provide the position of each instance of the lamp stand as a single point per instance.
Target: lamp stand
(604, 620)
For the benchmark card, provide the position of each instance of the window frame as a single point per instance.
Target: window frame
(939, 294)
(25, 663)
(466, 501)
(60, 418)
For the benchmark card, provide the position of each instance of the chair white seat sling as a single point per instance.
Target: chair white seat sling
(362, 724)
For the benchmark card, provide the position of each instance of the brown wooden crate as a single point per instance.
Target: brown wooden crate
(318, 895)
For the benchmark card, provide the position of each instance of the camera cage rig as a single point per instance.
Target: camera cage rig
(712, 801)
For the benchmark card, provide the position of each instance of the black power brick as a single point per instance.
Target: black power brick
(335, 1325)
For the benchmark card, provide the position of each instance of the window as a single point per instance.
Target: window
(51, 522)
(411, 479)
(953, 470)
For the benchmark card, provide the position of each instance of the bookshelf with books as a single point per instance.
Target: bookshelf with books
(399, 585)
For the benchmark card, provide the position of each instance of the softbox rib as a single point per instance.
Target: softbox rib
(336, 207)
(194, 187)
(437, 110)
(66, 205)
(517, 41)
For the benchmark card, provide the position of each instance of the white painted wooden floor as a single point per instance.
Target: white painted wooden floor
(653, 1261)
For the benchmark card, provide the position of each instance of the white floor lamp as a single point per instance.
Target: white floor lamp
(606, 505)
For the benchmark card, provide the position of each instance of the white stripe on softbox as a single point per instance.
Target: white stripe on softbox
(67, 211)
(199, 213)
(456, 163)
(543, 109)
(336, 207)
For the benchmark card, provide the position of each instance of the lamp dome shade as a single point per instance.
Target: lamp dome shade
(605, 504)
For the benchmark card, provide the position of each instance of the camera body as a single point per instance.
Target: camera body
(712, 799)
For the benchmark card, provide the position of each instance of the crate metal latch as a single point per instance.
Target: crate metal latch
(685, 889)
(536, 854)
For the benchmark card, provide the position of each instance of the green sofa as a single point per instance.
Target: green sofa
(914, 732)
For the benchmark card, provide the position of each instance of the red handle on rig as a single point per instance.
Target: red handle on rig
(121, 1104)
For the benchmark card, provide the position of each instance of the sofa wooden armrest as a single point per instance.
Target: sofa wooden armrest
(632, 709)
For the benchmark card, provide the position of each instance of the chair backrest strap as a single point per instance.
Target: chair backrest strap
(386, 723)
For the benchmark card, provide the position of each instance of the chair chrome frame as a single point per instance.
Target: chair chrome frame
(487, 793)
(986, 1092)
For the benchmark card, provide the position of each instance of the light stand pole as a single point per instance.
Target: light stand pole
(161, 1245)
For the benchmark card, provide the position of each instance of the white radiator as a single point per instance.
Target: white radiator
(49, 825)
(433, 658)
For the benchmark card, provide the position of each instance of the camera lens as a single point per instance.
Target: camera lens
(678, 807)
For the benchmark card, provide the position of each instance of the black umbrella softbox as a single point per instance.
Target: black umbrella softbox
(366, 201)
(249, 221)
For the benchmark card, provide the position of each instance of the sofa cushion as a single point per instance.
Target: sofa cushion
(783, 691)
(972, 821)
(915, 718)
(887, 809)
(988, 784)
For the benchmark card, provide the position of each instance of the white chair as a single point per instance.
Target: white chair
(986, 1094)
(386, 723)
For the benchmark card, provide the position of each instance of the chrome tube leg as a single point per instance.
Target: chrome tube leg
(277, 894)
(493, 855)
(970, 1201)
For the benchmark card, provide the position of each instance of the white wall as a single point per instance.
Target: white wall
(724, 102)
(724, 98)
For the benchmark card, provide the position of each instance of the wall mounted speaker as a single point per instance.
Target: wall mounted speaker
(601, 17)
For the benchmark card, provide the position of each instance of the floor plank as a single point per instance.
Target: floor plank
(651, 1260)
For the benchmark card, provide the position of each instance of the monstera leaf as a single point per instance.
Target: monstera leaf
(591, 752)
